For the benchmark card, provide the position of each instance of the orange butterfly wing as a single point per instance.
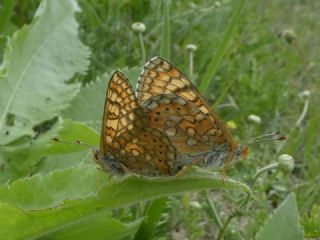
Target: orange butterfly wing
(127, 142)
(175, 105)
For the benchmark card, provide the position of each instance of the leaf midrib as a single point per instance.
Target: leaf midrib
(17, 85)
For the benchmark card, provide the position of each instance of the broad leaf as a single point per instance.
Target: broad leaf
(64, 161)
(87, 106)
(283, 223)
(22, 159)
(63, 224)
(97, 226)
(42, 205)
(41, 192)
(38, 61)
(72, 132)
(65, 155)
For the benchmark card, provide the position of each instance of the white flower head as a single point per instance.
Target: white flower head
(191, 47)
(138, 27)
(217, 4)
(254, 119)
(195, 204)
(305, 94)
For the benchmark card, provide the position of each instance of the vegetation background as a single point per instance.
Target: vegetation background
(252, 58)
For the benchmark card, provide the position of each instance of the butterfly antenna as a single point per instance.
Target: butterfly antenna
(77, 142)
(268, 137)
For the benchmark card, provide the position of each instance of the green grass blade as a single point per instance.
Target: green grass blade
(165, 38)
(151, 218)
(221, 49)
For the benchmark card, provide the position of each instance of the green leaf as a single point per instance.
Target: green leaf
(97, 226)
(63, 161)
(132, 74)
(151, 218)
(21, 159)
(87, 106)
(283, 223)
(40, 205)
(72, 132)
(80, 182)
(43, 192)
(63, 224)
(38, 61)
(311, 223)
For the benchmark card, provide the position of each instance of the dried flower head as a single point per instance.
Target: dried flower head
(289, 35)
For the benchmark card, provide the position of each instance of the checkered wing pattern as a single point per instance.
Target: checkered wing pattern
(127, 141)
(175, 106)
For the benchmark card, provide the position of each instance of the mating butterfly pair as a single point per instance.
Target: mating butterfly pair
(166, 127)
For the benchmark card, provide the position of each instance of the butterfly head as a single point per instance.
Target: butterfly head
(241, 152)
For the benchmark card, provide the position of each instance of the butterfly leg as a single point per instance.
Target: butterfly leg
(227, 163)
(187, 168)
(225, 166)
(223, 173)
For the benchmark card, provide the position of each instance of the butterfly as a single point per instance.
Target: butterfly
(127, 142)
(175, 106)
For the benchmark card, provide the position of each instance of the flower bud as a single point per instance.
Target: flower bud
(286, 163)
(254, 119)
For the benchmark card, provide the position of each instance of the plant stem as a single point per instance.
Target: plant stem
(143, 50)
(191, 65)
(223, 229)
(213, 210)
(304, 113)
(262, 170)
